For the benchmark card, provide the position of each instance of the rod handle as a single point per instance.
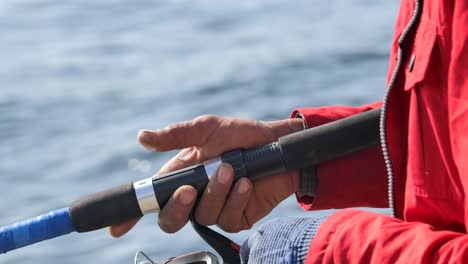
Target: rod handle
(330, 141)
(105, 208)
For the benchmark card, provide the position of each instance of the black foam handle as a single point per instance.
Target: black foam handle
(105, 208)
(263, 161)
(256, 162)
(166, 185)
(330, 141)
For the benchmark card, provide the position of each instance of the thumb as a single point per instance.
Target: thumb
(181, 135)
(185, 158)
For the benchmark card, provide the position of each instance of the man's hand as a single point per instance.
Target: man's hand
(206, 137)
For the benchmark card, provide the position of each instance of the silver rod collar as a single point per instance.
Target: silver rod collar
(211, 166)
(146, 197)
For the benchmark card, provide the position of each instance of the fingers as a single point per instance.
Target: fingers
(185, 158)
(176, 212)
(223, 206)
(217, 205)
(181, 135)
(212, 201)
(232, 218)
(121, 229)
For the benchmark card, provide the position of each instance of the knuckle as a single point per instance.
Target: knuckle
(188, 155)
(204, 219)
(228, 224)
(248, 224)
(165, 226)
(169, 227)
(175, 126)
(214, 192)
(231, 228)
(172, 217)
(206, 120)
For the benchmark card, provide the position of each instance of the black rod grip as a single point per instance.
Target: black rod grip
(263, 161)
(105, 208)
(331, 141)
(256, 162)
(166, 185)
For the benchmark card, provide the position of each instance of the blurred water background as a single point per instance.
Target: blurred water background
(78, 79)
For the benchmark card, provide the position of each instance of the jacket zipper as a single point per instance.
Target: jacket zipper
(383, 115)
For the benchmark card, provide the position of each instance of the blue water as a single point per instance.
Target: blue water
(79, 79)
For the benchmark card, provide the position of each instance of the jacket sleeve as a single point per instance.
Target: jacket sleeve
(356, 180)
(354, 236)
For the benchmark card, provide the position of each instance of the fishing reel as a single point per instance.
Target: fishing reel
(198, 257)
(226, 248)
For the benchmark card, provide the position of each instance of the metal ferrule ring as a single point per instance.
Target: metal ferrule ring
(146, 197)
(211, 166)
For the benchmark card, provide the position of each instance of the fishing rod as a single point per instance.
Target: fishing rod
(299, 150)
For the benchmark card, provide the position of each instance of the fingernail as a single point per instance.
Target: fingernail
(224, 176)
(186, 197)
(144, 132)
(146, 136)
(244, 187)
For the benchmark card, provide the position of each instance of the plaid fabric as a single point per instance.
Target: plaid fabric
(281, 240)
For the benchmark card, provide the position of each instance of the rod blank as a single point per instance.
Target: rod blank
(43, 227)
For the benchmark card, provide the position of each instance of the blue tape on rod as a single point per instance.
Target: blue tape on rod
(43, 227)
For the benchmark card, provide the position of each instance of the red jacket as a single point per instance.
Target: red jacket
(426, 131)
